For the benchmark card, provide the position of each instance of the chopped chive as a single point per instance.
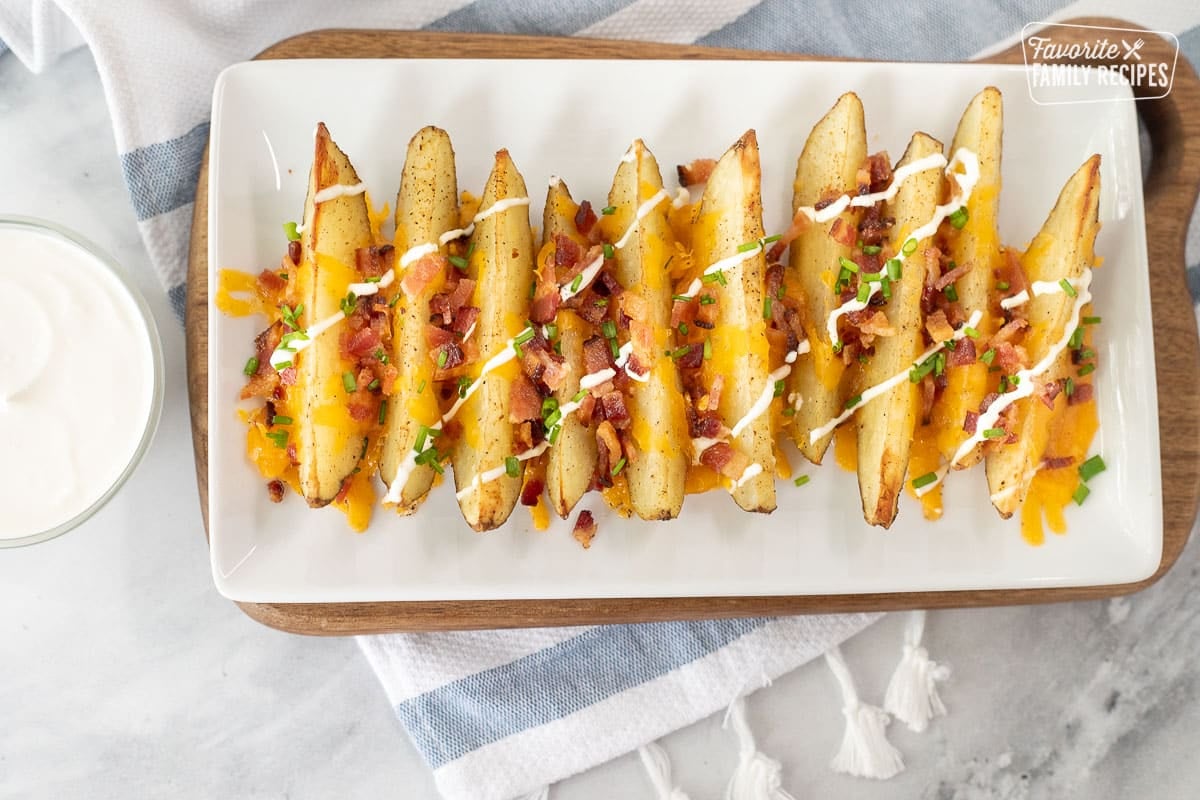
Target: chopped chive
(837, 346)
(1091, 468)
(746, 247)
(607, 210)
(551, 331)
(950, 344)
(554, 432)
(707, 300)
(251, 366)
(609, 329)
(280, 438)
(988, 355)
(864, 292)
(871, 277)
(924, 480)
(289, 228)
(778, 389)
(1086, 354)
(951, 293)
(789, 412)
(681, 298)
(909, 247)
(441, 359)
(549, 405)
(872, 249)
(279, 419)
(532, 289)
(895, 268)
(421, 386)
(1086, 369)
(616, 470)
(582, 393)
(383, 411)
(994, 433)
(395, 299)
(283, 365)
(1003, 384)
(512, 466)
(1091, 320)
(283, 275)
(781, 291)
(1076, 339)
(885, 288)
(608, 250)
(800, 481)
(939, 362)
(917, 373)
(459, 262)
(348, 381)
(1002, 285)
(373, 385)
(464, 383)
(970, 332)
(1069, 387)
(1013, 380)
(853, 401)
(767, 307)
(679, 352)
(553, 419)
(575, 284)
(613, 347)
(558, 347)
(1081, 493)
(772, 239)
(959, 217)
(714, 277)
(683, 329)
(1068, 288)
(349, 303)
(707, 349)
(524, 336)
(374, 279)
(862, 358)
(847, 264)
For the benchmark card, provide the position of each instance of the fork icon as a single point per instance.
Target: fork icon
(1132, 50)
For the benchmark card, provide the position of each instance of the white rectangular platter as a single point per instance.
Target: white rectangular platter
(576, 119)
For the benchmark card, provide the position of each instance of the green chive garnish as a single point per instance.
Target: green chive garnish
(864, 292)
(280, 438)
(373, 385)
(1069, 387)
(772, 239)
(970, 332)
(608, 250)
(279, 419)
(951, 293)
(707, 300)
(1076, 339)
(778, 389)
(847, 264)
(959, 218)
(679, 352)
(924, 480)
(885, 288)
(988, 355)
(289, 228)
(441, 359)
(1091, 468)
(251, 366)
(1086, 369)
(707, 349)
(747, 246)
(853, 401)
(382, 410)
(681, 298)
(620, 466)
(554, 432)
(895, 268)
(607, 210)
(348, 381)
(1081, 493)
(1091, 320)
(512, 466)
(872, 249)
(549, 405)
(1002, 285)
(909, 247)
(994, 433)
(767, 307)
(1068, 288)
(459, 262)
(609, 329)
(524, 336)
(800, 481)
(582, 393)
(683, 329)
(283, 365)
(421, 386)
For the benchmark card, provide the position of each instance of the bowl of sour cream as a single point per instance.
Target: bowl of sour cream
(81, 380)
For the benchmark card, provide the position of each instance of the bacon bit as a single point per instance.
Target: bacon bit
(525, 404)
(862, 180)
(928, 395)
(344, 491)
(615, 410)
(540, 364)
(463, 290)
(420, 275)
(876, 324)
(265, 381)
(585, 305)
(717, 456)
(693, 358)
(874, 226)
(275, 491)
(610, 446)
(566, 252)
(880, 167)
(970, 422)
(938, 327)
(546, 300)
(271, 282)
(373, 261)
(774, 278)
(1057, 462)
(706, 314)
(359, 343)
(454, 357)
(642, 336)
(988, 399)
(1080, 394)
(800, 223)
(464, 319)
(1048, 392)
(585, 218)
(714, 392)
(1009, 331)
(360, 412)
(607, 285)
(531, 491)
(596, 355)
(1013, 273)
(951, 276)
(291, 454)
(387, 377)
(705, 426)
(1008, 358)
(294, 253)
(634, 306)
(843, 233)
(684, 312)
(699, 171)
(437, 338)
(585, 529)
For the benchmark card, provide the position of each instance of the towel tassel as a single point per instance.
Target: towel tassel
(912, 695)
(865, 750)
(756, 777)
(658, 767)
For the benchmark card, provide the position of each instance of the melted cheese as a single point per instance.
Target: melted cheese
(231, 282)
(845, 448)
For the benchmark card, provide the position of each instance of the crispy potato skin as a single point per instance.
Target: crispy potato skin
(502, 265)
(1063, 248)
(571, 462)
(885, 425)
(827, 167)
(426, 207)
(729, 215)
(657, 477)
(328, 442)
(980, 130)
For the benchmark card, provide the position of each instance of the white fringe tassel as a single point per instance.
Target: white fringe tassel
(912, 695)
(865, 750)
(658, 767)
(756, 776)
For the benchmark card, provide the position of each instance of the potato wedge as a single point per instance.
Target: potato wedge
(426, 207)
(827, 167)
(1064, 248)
(502, 266)
(728, 216)
(329, 443)
(571, 462)
(885, 425)
(980, 130)
(659, 426)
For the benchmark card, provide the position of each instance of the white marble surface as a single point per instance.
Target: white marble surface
(124, 674)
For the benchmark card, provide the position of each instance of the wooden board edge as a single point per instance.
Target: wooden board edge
(1170, 189)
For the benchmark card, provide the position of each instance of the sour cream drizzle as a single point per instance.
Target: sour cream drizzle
(338, 190)
(622, 362)
(882, 388)
(1023, 379)
(1039, 288)
(284, 353)
(643, 211)
(496, 473)
(495, 208)
(965, 181)
(727, 263)
(585, 278)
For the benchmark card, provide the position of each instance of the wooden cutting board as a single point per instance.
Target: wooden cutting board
(1170, 189)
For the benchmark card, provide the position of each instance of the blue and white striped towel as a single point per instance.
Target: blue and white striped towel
(500, 713)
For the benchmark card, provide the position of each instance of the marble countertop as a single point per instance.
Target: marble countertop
(124, 674)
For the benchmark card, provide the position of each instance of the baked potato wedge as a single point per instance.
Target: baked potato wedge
(426, 208)
(727, 218)
(885, 425)
(501, 264)
(1063, 248)
(329, 442)
(658, 474)
(827, 168)
(976, 246)
(571, 462)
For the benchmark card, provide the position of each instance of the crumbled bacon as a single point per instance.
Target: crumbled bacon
(418, 277)
(359, 343)
(374, 261)
(275, 491)
(463, 290)
(546, 300)
(531, 491)
(842, 232)
(800, 223)
(705, 426)
(271, 281)
(360, 412)
(1009, 358)
(1057, 462)
(880, 168)
(1013, 273)
(970, 422)
(525, 404)
(615, 410)
(597, 355)
(938, 327)
(609, 447)
(585, 528)
(988, 399)
(447, 357)
(641, 333)
(437, 338)
(566, 252)
(265, 380)
(716, 456)
(950, 277)
(873, 227)
(693, 358)
(875, 323)
(706, 313)
(585, 218)
(1009, 331)
(294, 252)
(963, 353)
(928, 395)
(1048, 391)
(697, 172)
(464, 319)
(1081, 393)
(287, 377)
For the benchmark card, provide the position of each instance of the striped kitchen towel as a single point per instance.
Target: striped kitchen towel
(498, 714)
